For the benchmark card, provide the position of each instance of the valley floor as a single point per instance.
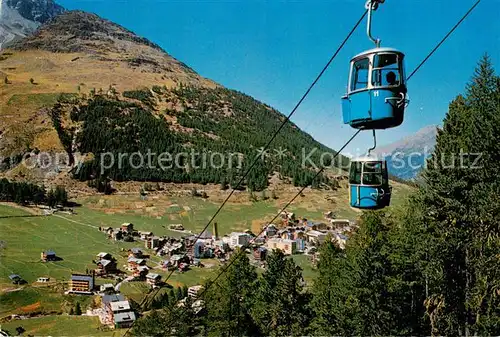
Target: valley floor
(76, 240)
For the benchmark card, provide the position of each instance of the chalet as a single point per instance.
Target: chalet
(166, 264)
(152, 242)
(16, 279)
(270, 230)
(173, 248)
(127, 228)
(141, 272)
(238, 239)
(81, 283)
(260, 240)
(183, 266)
(145, 235)
(106, 266)
(298, 234)
(107, 288)
(48, 255)
(340, 223)
(198, 306)
(116, 235)
(177, 227)
(316, 236)
(104, 256)
(124, 319)
(108, 299)
(119, 306)
(117, 309)
(288, 247)
(176, 260)
(135, 252)
(134, 263)
(285, 234)
(153, 279)
(194, 291)
(106, 305)
(340, 239)
(260, 253)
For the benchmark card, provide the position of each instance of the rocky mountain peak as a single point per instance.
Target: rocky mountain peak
(39, 11)
(76, 31)
(20, 18)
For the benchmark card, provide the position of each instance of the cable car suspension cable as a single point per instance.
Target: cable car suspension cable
(265, 148)
(243, 248)
(322, 169)
(444, 39)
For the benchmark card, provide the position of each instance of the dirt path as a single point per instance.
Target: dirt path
(77, 222)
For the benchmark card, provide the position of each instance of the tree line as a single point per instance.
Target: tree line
(25, 193)
(428, 267)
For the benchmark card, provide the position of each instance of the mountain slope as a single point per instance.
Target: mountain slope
(20, 18)
(123, 93)
(406, 157)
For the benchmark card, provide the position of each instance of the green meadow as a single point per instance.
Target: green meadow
(77, 240)
(60, 326)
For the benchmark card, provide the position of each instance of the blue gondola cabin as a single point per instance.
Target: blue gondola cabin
(376, 94)
(369, 184)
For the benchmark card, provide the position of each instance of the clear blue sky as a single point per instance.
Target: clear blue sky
(272, 50)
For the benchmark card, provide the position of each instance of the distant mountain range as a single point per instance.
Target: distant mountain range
(407, 157)
(20, 18)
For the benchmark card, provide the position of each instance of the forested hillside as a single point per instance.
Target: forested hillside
(85, 85)
(428, 268)
(216, 134)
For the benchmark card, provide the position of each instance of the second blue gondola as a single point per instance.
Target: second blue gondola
(369, 183)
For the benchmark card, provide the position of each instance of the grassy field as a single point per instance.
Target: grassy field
(76, 243)
(308, 272)
(26, 236)
(60, 326)
(156, 215)
(34, 101)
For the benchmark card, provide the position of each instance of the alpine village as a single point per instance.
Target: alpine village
(233, 233)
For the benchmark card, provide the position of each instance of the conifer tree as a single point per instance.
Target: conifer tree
(228, 303)
(78, 309)
(459, 213)
(281, 306)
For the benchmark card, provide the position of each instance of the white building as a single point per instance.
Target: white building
(121, 306)
(194, 290)
(341, 240)
(107, 287)
(316, 236)
(237, 239)
(339, 223)
(270, 230)
(288, 247)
